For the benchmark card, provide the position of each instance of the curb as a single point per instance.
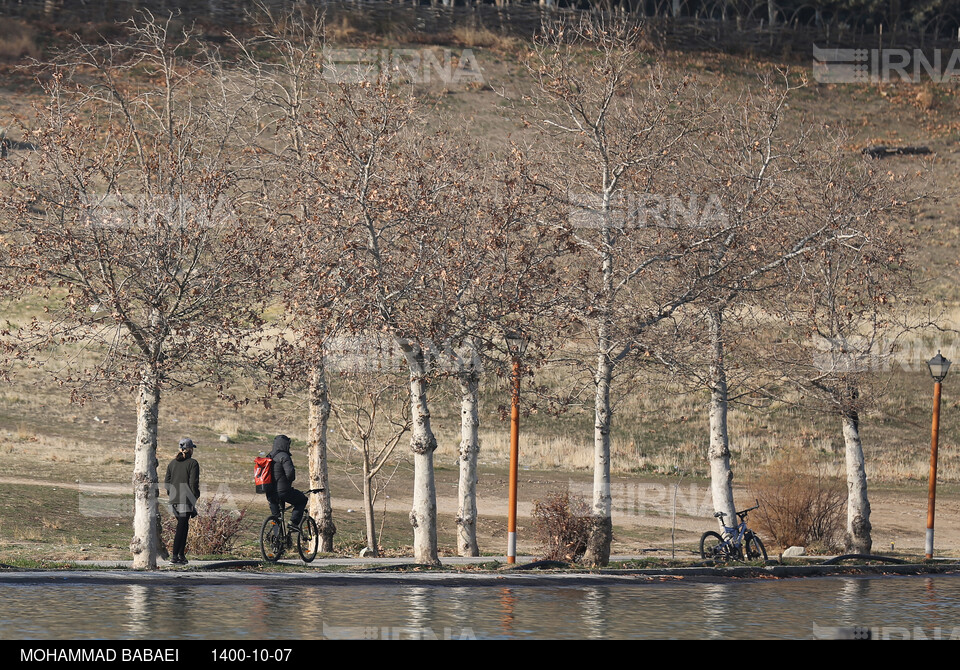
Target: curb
(416, 575)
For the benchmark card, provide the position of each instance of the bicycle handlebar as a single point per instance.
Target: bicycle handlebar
(741, 513)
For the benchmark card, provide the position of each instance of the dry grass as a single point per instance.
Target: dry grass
(473, 37)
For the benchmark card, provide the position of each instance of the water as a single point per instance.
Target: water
(895, 607)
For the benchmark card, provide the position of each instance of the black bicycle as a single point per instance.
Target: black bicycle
(735, 542)
(277, 536)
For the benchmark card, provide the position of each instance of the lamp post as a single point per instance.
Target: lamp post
(938, 370)
(517, 345)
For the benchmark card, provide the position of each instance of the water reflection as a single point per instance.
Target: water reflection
(716, 610)
(595, 610)
(853, 592)
(137, 611)
(508, 603)
(746, 609)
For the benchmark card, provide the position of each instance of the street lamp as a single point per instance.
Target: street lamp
(938, 370)
(517, 346)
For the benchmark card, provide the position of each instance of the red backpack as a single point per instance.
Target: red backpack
(262, 472)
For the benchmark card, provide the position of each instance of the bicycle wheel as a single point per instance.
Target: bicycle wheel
(309, 539)
(755, 548)
(271, 540)
(712, 546)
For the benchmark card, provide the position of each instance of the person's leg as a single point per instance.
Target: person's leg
(274, 503)
(299, 502)
(180, 538)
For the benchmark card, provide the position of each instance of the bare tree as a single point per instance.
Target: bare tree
(501, 275)
(133, 220)
(610, 131)
(776, 186)
(851, 306)
(747, 165)
(373, 417)
(388, 194)
(283, 68)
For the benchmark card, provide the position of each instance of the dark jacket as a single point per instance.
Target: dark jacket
(183, 483)
(284, 473)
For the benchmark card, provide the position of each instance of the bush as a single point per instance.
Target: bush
(800, 505)
(212, 532)
(561, 527)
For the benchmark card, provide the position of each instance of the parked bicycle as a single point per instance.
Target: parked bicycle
(735, 543)
(277, 536)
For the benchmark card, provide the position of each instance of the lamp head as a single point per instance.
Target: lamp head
(938, 367)
(516, 342)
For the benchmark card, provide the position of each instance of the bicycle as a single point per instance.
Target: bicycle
(276, 535)
(734, 541)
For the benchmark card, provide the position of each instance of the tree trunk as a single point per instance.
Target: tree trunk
(857, 540)
(601, 532)
(423, 515)
(144, 544)
(721, 475)
(469, 379)
(321, 509)
(368, 516)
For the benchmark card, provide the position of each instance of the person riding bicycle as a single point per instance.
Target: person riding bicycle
(284, 474)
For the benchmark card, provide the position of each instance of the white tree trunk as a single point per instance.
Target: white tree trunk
(321, 508)
(858, 539)
(601, 531)
(144, 544)
(423, 515)
(601, 535)
(469, 378)
(721, 475)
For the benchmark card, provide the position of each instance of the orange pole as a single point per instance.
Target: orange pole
(932, 494)
(514, 458)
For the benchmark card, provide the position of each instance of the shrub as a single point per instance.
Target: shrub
(212, 532)
(561, 527)
(800, 504)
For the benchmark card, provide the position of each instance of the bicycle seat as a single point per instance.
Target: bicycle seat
(719, 515)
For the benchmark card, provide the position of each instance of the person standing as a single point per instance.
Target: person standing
(183, 490)
(284, 474)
